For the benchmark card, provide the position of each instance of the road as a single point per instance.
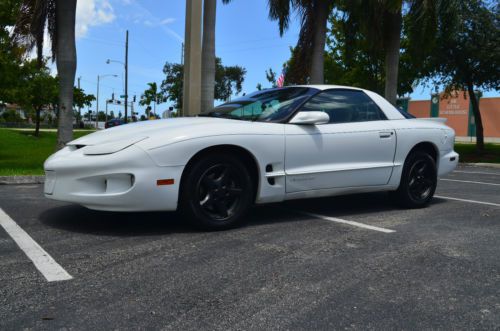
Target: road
(293, 266)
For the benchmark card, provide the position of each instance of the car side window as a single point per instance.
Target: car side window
(345, 106)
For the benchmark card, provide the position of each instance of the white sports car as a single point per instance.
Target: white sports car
(272, 145)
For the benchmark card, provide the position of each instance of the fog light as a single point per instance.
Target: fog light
(118, 183)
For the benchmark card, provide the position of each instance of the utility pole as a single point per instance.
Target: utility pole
(126, 75)
(97, 102)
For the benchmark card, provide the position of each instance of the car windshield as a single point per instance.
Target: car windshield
(272, 105)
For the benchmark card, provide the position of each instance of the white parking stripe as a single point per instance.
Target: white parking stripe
(49, 268)
(339, 220)
(469, 181)
(476, 172)
(470, 201)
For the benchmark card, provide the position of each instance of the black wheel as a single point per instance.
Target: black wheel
(216, 192)
(418, 181)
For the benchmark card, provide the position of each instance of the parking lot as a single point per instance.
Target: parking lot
(352, 262)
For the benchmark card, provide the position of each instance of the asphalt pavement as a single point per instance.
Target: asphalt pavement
(351, 262)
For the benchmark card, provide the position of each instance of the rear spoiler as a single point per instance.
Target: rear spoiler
(434, 119)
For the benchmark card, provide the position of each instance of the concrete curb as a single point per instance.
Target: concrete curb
(15, 180)
(485, 165)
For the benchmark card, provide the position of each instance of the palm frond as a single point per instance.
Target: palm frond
(29, 30)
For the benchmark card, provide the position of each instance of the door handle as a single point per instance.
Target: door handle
(385, 134)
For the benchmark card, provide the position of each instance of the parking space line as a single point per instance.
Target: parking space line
(47, 266)
(468, 181)
(470, 201)
(342, 221)
(476, 172)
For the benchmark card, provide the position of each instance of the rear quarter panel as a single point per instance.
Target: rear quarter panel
(410, 132)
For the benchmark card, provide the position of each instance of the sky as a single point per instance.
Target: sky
(244, 36)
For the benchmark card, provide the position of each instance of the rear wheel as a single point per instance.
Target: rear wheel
(216, 192)
(418, 181)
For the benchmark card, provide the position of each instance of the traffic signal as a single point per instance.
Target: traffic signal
(113, 96)
(133, 99)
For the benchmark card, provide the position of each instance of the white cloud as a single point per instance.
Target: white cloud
(168, 20)
(92, 13)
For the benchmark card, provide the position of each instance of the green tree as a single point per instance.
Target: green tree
(38, 90)
(271, 77)
(228, 80)
(467, 52)
(80, 99)
(151, 95)
(352, 60)
(10, 54)
(307, 62)
(59, 17)
(382, 23)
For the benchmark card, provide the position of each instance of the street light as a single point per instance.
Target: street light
(97, 99)
(108, 61)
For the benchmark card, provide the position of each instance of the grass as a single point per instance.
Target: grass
(491, 153)
(21, 153)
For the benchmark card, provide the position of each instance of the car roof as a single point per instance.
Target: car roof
(327, 87)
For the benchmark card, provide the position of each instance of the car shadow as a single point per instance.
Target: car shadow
(75, 218)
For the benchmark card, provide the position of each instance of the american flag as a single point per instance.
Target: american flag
(281, 79)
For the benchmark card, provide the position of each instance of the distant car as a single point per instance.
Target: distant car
(114, 122)
(268, 146)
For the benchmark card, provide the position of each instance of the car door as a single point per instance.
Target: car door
(356, 148)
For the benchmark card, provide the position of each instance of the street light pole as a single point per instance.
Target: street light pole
(97, 98)
(126, 75)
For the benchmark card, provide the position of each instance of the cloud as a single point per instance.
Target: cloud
(91, 13)
(168, 20)
(150, 20)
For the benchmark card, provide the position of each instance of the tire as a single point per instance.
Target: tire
(216, 192)
(418, 181)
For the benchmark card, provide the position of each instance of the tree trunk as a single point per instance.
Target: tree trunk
(317, 76)
(66, 67)
(392, 35)
(37, 121)
(477, 118)
(208, 56)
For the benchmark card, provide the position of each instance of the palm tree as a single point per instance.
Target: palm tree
(151, 94)
(208, 54)
(381, 22)
(308, 56)
(59, 17)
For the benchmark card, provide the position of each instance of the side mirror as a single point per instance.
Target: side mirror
(310, 117)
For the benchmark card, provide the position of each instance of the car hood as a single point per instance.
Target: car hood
(167, 131)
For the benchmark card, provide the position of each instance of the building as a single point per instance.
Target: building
(457, 109)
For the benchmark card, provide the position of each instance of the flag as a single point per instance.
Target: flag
(281, 79)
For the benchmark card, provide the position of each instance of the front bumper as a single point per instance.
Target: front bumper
(122, 181)
(447, 163)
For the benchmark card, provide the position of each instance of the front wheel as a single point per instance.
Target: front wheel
(418, 181)
(216, 192)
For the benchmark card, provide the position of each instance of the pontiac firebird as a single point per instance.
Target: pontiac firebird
(269, 146)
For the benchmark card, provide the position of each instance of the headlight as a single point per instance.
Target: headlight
(111, 147)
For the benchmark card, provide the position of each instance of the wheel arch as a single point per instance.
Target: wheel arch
(428, 147)
(247, 157)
